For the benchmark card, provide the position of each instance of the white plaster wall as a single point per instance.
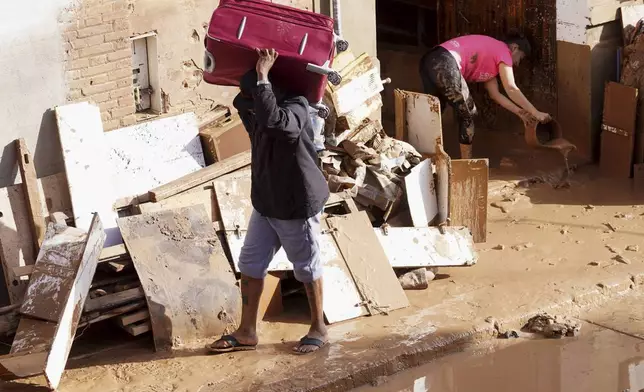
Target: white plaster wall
(572, 18)
(32, 81)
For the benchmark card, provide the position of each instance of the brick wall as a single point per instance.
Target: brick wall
(99, 59)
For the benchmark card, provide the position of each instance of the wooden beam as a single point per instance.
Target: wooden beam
(32, 193)
(113, 300)
(114, 252)
(138, 329)
(200, 177)
(132, 318)
(24, 270)
(95, 317)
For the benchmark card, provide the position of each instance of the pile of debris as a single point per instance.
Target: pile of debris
(155, 236)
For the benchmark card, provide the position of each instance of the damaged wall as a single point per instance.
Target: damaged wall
(182, 26)
(61, 51)
(33, 81)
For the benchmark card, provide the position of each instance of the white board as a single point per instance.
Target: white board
(340, 292)
(408, 247)
(423, 121)
(86, 164)
(147, 155)
(421, 194)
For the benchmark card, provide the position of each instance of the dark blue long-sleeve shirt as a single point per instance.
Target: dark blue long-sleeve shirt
(287, 182)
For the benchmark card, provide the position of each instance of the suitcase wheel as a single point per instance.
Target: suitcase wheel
(334, 78)
(341, 45)
(208, 62)
(323, 111)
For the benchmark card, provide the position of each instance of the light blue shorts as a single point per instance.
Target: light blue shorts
(299, 237)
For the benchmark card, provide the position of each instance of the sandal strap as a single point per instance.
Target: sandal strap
(307, 341)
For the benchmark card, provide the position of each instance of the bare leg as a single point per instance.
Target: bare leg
(251, 290)
(318, 329)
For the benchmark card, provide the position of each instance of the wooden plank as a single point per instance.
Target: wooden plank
(408, 247)
(368, 263)
(153, 153)
(138, 329)
(421, 194)
(16, 244)
(132, 318)
(189, 284)
(54, 273)
(418, 121)
(206, 198)
(115, 252)
(113, 300)
(400, 113)
(233, 197)
(25, 270)
(86, 163)
(119, 266)
(342, 299)
(202, 176)
(574, 95)
(270, 303)
(618, 134)
(32, 193)
(468, 196)
(95, 317)
(54, 339)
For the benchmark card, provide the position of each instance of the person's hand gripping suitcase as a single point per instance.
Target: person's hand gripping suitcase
(266, 61)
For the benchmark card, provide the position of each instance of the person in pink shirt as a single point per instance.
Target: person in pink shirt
(446, 69)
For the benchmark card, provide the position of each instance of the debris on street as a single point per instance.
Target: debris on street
(175, 200)
(552, 327)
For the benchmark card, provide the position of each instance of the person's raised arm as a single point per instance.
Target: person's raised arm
(507, 79)
(279, 122)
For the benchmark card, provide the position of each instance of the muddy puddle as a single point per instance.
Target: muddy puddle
(599, 360)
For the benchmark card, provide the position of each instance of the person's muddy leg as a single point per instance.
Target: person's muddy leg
(318, 330)
(300, 239)
(260, 246)
(465, 112)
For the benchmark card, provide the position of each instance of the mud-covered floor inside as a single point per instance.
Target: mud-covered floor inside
(548, 249)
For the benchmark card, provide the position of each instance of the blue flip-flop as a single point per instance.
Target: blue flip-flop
(307, 341)
(234, 345)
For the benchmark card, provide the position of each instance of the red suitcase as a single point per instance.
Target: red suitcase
(305, 42)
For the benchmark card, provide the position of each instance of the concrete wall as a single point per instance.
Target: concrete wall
(32, 81)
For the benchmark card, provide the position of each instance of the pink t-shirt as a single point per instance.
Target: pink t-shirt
(479, 56)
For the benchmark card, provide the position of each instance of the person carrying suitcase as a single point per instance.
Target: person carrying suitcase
(447, 68)
(288, 194)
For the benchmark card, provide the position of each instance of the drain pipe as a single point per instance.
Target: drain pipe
(340, 44)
